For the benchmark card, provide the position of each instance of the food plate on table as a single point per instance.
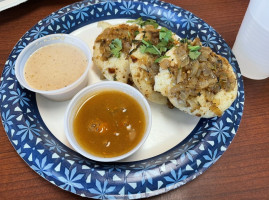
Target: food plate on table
(180, 147)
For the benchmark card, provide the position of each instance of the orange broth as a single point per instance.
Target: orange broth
(109, 124)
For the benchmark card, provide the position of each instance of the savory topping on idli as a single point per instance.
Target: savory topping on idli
(143, 70)
(111, 51)
(151, 45)
(167, 70)
(197, 80)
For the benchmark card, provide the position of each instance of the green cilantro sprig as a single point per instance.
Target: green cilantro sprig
(147, 47)
(194, 48)
(165, 39)
(165, 35)
(158, 60)
(194, 52)
(184, 40)
(116, 47)
(152, 49)
(142, 23)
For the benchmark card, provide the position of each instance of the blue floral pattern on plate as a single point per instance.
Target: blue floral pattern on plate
(72, 172)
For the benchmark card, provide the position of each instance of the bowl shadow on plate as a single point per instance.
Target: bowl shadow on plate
(169, 128)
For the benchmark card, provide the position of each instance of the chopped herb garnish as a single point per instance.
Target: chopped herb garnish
(184, 40)
(138, 21)
(163, 49)
(146, 43)
(143, 48)
(115, 47)
(194, 48)
(149, 48)
(158, 60)
(142, 23)
(136, 33)
(194, 52)
(165, 40)
(156, 49)
(165, 35)
(163, 46)
(151, 22)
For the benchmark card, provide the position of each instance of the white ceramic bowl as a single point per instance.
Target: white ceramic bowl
(87, 92)
(59, 94)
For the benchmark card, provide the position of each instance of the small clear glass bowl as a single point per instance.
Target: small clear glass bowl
(87, 92)
(60, 94)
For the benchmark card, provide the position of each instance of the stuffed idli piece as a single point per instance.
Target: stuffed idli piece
(111, 51)
(143, 70)
(196, 80)
(144, 65)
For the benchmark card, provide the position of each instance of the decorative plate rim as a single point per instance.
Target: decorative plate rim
(55, 162)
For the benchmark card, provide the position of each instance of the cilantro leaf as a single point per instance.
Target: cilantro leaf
(194, 48)
(146, 43)
(163, 46)
(139, 21)
(194, 54)
(151, 22)
(115, 47)
(165, 35)
(158, 60)
(163, 49)
(136, 33)
(165, 39)
(184, 40)
(143, 48)
(149, 48)
(156, 50)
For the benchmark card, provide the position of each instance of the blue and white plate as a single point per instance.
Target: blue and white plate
(29, 120)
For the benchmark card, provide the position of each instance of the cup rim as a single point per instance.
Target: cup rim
(87, 92)
(20, 77)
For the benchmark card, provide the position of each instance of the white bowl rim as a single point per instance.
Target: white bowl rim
(61, 90)
(113, 85)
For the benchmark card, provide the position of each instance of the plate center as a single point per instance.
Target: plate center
(169, 126)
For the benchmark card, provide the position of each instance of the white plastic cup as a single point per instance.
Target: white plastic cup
(252, 41)
(61, 94)
(91, 90)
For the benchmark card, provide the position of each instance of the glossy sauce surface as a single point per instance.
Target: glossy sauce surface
(109, 124)
(55, 66)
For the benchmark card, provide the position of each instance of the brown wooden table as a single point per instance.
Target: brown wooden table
(241, 173)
